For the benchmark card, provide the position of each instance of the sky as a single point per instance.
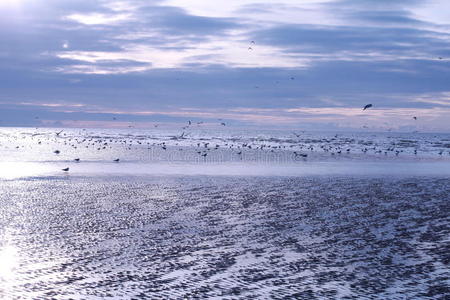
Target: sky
(303, 64)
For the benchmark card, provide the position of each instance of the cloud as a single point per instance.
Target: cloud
(161, 57)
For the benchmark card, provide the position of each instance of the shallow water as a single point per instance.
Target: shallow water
(251, 219)
(26, 152)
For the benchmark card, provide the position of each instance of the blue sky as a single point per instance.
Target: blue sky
(310, 64)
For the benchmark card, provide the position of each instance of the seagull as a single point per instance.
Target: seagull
(58, 133)
(117, 160)
(65, 169)
(415, 118)
(367, 106)
(77, 159)
(56, 151)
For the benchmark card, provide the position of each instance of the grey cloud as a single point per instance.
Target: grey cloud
(28, 61)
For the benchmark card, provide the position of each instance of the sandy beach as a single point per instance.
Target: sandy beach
(221, 237)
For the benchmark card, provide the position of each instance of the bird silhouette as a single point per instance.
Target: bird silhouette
(367, 106)
(65, 169)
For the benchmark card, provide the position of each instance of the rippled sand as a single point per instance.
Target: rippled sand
(221, 237)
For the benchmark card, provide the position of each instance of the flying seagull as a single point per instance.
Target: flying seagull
(367, 106)
(58, 133)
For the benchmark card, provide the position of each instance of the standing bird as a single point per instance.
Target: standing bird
(367, 106)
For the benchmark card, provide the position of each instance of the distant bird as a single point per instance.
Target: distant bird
(65, 169)
(440, 57)
(367, 106)
(77, 159)
(58, 133)
(117, 160)
(252, 42)
(189, 122)
(415, 118)
(223, 124)
(250, 48)
(56, 151)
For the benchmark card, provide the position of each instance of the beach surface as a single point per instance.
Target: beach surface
(264, 224)
(170, 237)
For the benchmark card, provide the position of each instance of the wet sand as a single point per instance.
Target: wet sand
(221, 237)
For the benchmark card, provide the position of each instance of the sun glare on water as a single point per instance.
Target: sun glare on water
(14, 170)
(8, 263)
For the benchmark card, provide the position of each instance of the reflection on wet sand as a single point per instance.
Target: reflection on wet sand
(198, 237)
